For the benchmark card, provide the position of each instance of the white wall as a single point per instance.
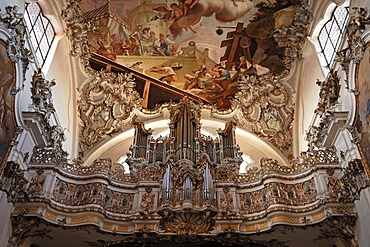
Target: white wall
(5, 225)
(307, 95)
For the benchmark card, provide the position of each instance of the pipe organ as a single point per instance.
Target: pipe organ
(186, 157)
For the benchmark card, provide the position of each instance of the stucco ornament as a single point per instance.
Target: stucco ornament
(266, 109)
(105, 106)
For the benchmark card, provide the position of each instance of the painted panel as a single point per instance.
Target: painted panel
(7, 124)
(363, 103)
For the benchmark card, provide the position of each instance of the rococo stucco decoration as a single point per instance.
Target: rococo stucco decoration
(329, 95)
(189, 187)
(105, 107)
(42, 104)
(186, 186)
(17, 49)
(356, 45)
(266, 109)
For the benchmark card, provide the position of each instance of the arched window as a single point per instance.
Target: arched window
(40, 30)
(331, 34)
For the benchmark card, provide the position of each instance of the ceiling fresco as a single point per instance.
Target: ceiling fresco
(230, 56)
(200, 47)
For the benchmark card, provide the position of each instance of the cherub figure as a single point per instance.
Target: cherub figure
(188, 4)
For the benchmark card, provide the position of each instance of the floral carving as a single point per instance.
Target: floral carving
(187, 223)
(147, 201)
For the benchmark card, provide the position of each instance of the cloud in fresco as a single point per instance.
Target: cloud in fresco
(223, 11)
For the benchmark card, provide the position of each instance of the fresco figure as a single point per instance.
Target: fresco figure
(224, 74)
(188, 4)
(363, 111)
(158, 29)
(120, 47)
(165, 43)
(176, 12)
(144, 40)
(105, 50)
(199, 78)
(169, 74)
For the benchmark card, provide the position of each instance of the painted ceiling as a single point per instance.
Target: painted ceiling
(231, 56)
(200, 47)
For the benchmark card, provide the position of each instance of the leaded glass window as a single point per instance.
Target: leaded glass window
(331, 34)
(41, 32)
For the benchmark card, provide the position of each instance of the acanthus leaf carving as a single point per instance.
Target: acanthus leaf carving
(187, 224)
(147, 201)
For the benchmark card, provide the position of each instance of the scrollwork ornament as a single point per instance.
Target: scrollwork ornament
(76, 29)
(266, 109)
(356, 44)
(24, 227)
(12, 181)
(147, 202)
(16, 44)
(340, 227)
(106, 105)
(227, 203)
(187, 224)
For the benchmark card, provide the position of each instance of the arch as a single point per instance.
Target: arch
(249, 143)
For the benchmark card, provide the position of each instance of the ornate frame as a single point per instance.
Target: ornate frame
(12, 86)
(356, 132)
